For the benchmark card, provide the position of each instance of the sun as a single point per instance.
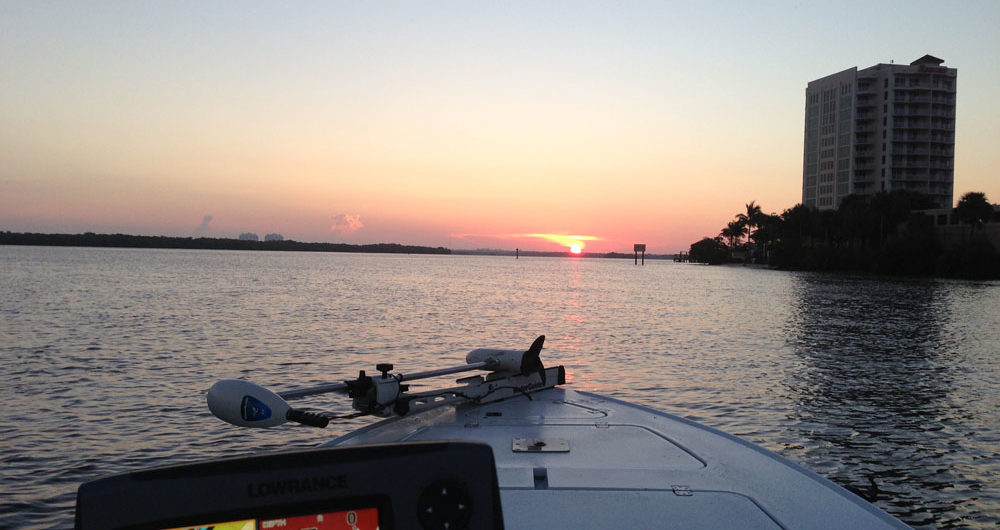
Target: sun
(575, 248)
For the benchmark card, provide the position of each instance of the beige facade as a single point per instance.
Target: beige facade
(886, 127)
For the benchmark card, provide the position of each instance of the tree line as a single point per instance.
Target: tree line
(91, 239)
(884, 233)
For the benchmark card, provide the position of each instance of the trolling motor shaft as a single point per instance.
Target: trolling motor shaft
(246, 404)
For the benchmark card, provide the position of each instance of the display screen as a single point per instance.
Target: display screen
(363, 519)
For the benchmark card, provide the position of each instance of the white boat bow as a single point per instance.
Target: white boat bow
(511, 448)
(568, 459)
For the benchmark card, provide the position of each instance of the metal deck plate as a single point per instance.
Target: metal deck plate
(540, 445)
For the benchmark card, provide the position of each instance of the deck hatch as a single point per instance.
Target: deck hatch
(682, 491)
(540, 445)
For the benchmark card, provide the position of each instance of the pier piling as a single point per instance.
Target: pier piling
(640, 247)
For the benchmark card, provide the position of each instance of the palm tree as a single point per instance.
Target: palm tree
(750, 219)
(732, 232)
(974, 209)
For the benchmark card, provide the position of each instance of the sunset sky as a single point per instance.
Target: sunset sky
(458, 124)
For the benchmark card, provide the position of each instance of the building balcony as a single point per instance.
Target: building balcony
(910, 98)
(909, 151)
(910, 164)
(944, 178)
(909, 174)
(910, 124)
(910, 108)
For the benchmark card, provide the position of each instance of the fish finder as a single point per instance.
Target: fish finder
(418, 485)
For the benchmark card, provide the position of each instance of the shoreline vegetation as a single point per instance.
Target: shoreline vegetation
(889, 233)
(91, 239)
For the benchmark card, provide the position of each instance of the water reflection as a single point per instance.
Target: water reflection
(872, 392)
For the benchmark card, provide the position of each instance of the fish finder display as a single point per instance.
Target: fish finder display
(403, 486)
(364, 519)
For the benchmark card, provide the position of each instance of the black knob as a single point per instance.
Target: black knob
(385, 368)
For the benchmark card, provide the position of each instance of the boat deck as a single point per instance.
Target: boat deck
(578, 460)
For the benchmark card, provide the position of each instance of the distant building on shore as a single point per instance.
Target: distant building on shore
(274, 237)
(886, 127)
(951, 230)
(249, 236)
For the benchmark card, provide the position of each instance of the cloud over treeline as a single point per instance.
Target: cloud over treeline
(345, 223)
(203, 229)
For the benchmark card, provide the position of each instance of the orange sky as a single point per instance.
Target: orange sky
(443, 124)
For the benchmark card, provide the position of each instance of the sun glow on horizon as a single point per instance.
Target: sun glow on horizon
(574, 242)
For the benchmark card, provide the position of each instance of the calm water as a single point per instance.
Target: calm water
(890, 387)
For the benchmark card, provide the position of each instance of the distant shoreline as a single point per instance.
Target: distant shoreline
(556, 254)
(91, 239)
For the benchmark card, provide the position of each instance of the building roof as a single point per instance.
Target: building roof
(928, 59)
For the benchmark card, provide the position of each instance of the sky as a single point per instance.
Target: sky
(460, 124)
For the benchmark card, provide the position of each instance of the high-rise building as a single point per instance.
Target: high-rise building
(887, 127)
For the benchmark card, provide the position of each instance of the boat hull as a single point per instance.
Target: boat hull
(580, 460)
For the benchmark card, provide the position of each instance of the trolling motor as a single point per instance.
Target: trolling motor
(512, 372)
(246, 404)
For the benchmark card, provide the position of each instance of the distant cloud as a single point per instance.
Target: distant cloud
(345, 223)
(203, 229)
